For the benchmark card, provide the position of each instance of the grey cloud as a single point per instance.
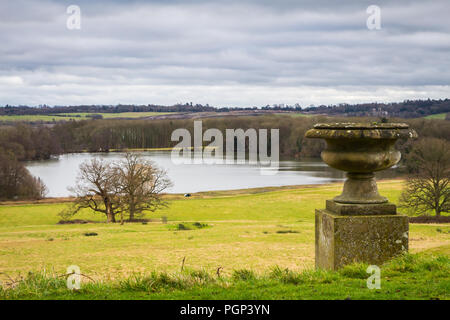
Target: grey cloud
(175, 50)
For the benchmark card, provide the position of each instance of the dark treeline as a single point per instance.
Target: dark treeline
(15, 180)
(40, 142)
(23, 142)
(47, 110)
(405, 109)
(28, 142)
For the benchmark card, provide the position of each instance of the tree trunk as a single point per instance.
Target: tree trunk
(109, 212)
(110, 215)
(113, 216)
(131, 211)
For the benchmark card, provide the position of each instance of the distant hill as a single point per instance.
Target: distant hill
(405, 109)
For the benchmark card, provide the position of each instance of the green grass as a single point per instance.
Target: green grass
(294, 114)
(77, 116)
(437, 116)
(410, 276)
(118, 115)
(36, 118)
(255, 229)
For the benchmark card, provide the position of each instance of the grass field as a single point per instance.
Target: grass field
(36, 118)
(118, 115)
(437, 116)
(77, 116)
(410, 276)
(250, 229)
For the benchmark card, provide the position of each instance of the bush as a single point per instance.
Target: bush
(243, 274)
(285, 275)
(355, 271)
(199, 225)
(90, 234)
(181, 226)
(188, 226)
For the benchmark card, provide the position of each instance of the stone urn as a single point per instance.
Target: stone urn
(360, 225)
(360, 150)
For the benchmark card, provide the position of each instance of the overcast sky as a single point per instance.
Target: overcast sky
(225, 53)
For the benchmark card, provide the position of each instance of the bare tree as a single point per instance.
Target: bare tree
(40, 188)
(428, 188)
(132, 185)
(141, 184)
(96, 188)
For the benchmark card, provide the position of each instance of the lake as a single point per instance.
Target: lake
(60, 173)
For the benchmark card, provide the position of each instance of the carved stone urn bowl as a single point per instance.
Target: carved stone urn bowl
(361, 149)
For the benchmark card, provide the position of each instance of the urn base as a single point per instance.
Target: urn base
(372, 239)
(360, 188)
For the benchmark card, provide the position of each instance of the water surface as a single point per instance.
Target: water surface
(60, 173)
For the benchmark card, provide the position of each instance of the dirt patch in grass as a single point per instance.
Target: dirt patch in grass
(430, 219)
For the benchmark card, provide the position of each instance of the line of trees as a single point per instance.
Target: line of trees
(405, 109)
(47, 110)
(28, 142)
(41, 142)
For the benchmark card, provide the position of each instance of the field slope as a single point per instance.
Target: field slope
(255, 229)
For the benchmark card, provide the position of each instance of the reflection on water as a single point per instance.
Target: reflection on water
(60, 173)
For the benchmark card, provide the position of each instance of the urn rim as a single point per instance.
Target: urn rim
(360, 126)
(361, 131)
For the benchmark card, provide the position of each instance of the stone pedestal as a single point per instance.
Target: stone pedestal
(347, 233)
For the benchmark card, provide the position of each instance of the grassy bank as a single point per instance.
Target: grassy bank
(416, 276)
(256, 228)
(437, 116)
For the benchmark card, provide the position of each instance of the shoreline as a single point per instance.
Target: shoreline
(201, 194)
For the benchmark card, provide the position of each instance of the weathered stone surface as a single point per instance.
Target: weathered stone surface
(373, 239)
(361, 131)
(360, 188)
(361, 209)
(360, 125)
